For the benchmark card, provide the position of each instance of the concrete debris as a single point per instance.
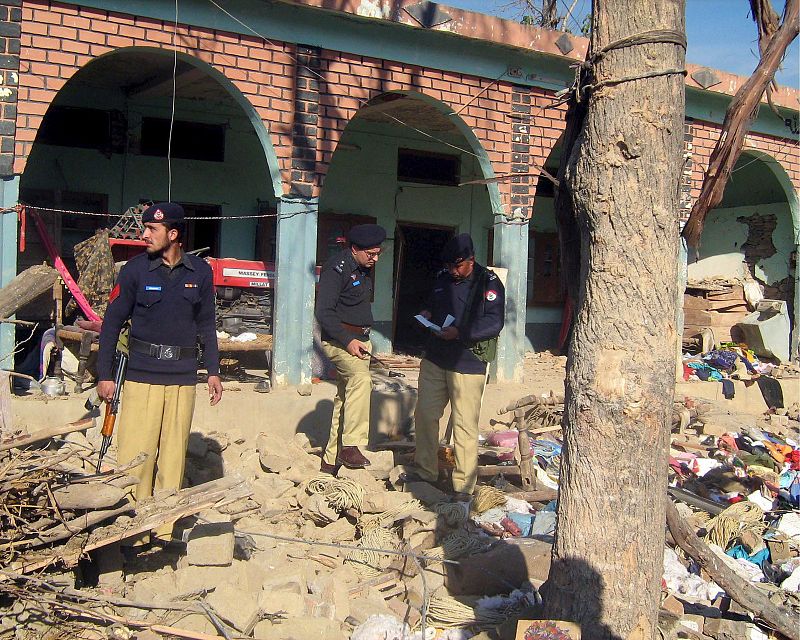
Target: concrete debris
(307, 555)
(211, 540)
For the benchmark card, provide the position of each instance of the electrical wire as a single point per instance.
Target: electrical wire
(172, 113)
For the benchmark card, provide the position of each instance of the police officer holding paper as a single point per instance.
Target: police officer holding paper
(344, 312)
(454, 366)
(168, 297)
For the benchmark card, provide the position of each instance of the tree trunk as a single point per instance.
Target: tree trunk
(622, 178)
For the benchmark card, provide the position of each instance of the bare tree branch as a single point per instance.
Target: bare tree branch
(738, 118)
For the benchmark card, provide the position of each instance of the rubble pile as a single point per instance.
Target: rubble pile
(267, 547)
(736, 478)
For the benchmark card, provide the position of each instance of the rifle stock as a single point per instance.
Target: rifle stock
(112, 407)
(108, 421)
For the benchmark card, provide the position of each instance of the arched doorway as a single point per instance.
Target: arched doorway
(544, 294)
(403, 162)
(102, 147)
(753, 233)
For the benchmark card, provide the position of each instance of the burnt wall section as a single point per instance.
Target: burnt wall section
(304, 179)
(521, 169)
(10, 27)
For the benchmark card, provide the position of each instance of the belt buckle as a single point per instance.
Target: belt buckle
(167, 352)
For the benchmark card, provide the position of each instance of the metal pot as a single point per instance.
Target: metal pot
(52, 386)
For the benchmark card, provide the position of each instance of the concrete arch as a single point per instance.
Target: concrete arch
(753, 232)
(260, 128)
(430, 125)
(790, 191)
(780, 174)
(475, 146)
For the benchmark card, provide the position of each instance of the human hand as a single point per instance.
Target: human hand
(449, 333)
(425, 314)
(105, 390)
(356, 348)
(214, 389)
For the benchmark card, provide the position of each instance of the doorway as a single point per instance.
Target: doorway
(417, 251)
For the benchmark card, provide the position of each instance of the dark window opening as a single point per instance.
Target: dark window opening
(190, 140)
(430, 168)
(544, 186)
(83, 128)
(544, 270)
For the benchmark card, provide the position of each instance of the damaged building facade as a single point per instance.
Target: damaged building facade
(295, 120)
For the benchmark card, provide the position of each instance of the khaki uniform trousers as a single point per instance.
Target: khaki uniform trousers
(155, 419)
(350, 419)
(464, 392)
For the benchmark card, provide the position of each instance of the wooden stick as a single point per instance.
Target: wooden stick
(747, 595)
(49, 432)
(76, 525)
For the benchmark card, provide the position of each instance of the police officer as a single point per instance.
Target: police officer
(455, 362)
(345, 317)
(168, 297)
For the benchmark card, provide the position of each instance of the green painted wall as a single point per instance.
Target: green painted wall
(723, 235)
(235, 184)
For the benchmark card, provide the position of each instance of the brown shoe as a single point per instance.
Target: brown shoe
(352, 458)
(330, 469)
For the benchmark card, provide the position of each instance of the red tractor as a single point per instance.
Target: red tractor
(245, 292)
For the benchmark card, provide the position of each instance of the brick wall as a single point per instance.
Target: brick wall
(10, 19)
(58, 39)
(306, 107)
(704, 136)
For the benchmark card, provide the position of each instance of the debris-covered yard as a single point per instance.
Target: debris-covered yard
(266, 547)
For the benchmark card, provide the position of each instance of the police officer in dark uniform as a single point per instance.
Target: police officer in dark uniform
(454, 366)
(344, 313)
(168, 297)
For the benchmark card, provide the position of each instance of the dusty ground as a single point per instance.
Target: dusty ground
(285, 412)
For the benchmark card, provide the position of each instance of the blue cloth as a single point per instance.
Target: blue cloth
(757, 558)
(524, 521)
(705, 371)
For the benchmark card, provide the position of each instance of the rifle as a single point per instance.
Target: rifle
(112, 407)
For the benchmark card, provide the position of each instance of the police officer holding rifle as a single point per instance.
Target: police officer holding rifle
(168, 297)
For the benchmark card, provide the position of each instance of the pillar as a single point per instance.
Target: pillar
(511, 252)
(9, 193)
(295, 271)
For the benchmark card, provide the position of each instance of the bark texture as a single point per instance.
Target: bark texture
(622, 179)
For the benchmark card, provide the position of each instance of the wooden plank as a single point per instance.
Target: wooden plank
(697, 317)
(26, 287)
(48, 432)
(695, 302)
(150, 514)
(263, 342)
(494, 469)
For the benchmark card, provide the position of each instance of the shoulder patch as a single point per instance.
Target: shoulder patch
(491, 295)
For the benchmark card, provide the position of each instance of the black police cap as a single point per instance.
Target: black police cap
(164, 212)
(458, 248)
(366, 235)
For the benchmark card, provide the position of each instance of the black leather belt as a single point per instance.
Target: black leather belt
(355, 329)
(161, 351)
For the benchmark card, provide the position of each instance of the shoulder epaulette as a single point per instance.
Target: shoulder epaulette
(339, 267)
(491, 275)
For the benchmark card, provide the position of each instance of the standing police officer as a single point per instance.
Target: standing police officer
(168, 296)
(454, 367)
(344, 313)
